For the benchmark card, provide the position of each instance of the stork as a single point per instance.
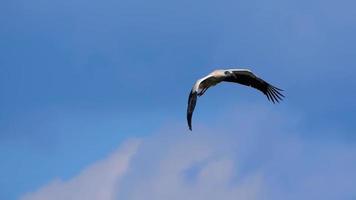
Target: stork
(241, 76)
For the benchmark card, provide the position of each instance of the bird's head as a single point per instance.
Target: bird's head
(227, 72)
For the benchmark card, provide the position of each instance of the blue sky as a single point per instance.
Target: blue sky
(78, 78)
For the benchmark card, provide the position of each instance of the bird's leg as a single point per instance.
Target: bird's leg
(203, 91)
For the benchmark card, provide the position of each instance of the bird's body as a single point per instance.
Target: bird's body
(241, 76)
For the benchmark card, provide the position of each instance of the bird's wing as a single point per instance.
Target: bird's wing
(191, 105)
(246, 77)
(198, 89)
(206, 84)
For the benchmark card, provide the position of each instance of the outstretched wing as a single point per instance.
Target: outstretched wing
(199, 89)
(191, 105)
(246, 77)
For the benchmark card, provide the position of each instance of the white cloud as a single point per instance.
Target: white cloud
(188, 167)
(258, 156)
(96, 182)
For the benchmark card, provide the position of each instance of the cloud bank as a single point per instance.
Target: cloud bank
(260, 155)
(98, 181)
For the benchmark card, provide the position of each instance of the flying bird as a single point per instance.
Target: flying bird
(241, 76)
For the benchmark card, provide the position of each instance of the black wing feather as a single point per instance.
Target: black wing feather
(191, 105)
(249, 79)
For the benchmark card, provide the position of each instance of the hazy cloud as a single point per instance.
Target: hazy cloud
(97, 182)
(260, 155)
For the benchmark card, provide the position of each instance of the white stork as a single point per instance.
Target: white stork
(241, 76)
